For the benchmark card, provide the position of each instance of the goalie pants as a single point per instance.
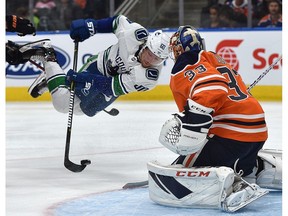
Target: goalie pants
(220, 151)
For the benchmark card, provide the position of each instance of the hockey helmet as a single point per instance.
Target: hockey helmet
(158, 47)
(186, 38)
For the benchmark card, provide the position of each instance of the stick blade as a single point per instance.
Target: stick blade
(135, 185)
(75, 167)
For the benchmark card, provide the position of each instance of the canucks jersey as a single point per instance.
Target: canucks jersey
(208, 80)
(120, 61)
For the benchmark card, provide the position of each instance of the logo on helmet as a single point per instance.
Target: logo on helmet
(158, 43)
(191, 36)
(163, 46)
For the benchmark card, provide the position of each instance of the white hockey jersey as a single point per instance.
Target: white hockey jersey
(120, 60)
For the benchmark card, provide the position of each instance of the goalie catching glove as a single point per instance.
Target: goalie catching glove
(186, 132)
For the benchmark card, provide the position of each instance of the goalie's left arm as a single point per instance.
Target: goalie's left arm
(186, 132)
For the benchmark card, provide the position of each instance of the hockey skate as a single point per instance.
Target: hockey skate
(39, 51)
(243, 194)
(36, 51)
(39, 86)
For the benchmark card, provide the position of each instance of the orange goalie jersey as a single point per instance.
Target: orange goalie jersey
(208, 80)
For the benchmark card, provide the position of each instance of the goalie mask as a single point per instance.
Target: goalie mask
(187, 38)
(156, 49)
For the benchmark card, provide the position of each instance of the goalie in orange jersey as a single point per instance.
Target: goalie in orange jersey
(218, 133)
(214, 101)
(221, 123)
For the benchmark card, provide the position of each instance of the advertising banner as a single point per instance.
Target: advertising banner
(249, 52)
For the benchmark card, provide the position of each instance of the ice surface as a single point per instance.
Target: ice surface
(119, 147)
(136, 202)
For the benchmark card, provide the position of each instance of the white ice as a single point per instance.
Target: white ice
(119, 148)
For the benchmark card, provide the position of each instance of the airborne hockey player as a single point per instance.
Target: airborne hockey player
(218, 134)
(133, 64)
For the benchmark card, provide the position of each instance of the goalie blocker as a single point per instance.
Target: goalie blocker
(200, 187)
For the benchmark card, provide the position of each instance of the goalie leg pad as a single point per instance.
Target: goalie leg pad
(271, 164)
(200, 187)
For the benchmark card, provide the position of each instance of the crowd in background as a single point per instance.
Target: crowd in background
(50, 15)
(234, 13)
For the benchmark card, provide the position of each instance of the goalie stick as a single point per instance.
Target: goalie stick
(264, 73)
(131, 185)
(112, 112)
(67, 163)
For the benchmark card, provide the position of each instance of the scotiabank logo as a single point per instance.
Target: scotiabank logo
(260, 55)
(30, 71)
(224, 49)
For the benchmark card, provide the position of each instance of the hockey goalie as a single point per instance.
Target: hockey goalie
(219, 134)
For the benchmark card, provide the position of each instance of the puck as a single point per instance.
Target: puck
(85, 162)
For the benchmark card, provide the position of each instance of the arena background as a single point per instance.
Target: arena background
(250, 51)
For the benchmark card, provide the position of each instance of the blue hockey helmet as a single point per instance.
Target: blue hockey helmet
(186, 38)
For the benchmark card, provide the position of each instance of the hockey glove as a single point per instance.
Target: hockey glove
(89, 83)
(82, 29)
(20, 25)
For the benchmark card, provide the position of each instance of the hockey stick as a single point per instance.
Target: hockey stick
(37, 65)
(67, 163)
(264, 73)
(112, 112)
(131, 185)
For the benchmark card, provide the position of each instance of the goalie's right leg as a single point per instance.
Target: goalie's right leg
(200, 187)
